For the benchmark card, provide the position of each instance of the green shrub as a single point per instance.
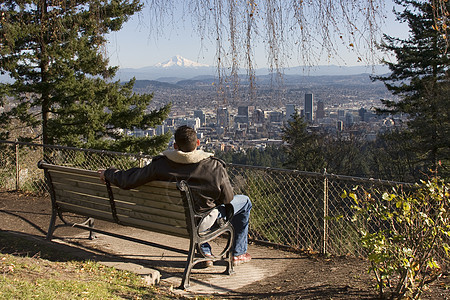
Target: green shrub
(407, 236)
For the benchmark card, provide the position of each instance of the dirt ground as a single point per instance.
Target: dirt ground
(312, 277)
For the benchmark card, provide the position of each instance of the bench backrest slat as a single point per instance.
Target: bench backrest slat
(170, 191)
(90, 212)
(82, 194)
(74, 177)
(157, 227)
(82, 200)
(150, 217)
(156, 206)
(137, 197)
(150, 210)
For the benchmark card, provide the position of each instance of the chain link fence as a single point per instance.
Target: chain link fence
(305, 210)
(19, 170)
(290, 208)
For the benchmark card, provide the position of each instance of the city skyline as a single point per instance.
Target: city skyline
(341, 106)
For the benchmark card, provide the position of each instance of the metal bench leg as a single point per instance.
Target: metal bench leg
(229, 259)
(91, 225)
(189, 265)
(229, 256)
(51, 227)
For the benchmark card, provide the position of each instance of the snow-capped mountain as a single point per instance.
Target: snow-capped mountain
(181, 68)
(179, 61)
(176, 66)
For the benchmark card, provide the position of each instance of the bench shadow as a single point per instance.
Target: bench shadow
(17, 215)
(25, 244)
(74, 249)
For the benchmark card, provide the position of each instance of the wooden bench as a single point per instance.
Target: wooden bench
(164, 207)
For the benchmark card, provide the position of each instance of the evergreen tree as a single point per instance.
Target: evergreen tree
(271, 156)
(420, 78)
(392, 158)
(315, 152)
(53, 50)
(303, 147)
(345, 156)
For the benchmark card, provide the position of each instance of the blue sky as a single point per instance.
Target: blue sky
(136, 45)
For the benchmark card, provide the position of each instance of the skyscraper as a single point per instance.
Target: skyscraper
(201, 115)
(290, 111)
(320, 112)
(242, 116)
(243, 110)
(309, 102)
(223, 117)
(258, 116)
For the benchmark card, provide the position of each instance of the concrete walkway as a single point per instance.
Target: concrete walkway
(30, 216)
(156, 264)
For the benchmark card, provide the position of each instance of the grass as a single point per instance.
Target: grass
(24, 275)
(36, 278)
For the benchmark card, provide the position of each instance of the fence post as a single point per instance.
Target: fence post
(16, 150)
(325, 212)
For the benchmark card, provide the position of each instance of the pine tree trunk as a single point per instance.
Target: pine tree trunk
(45, 97)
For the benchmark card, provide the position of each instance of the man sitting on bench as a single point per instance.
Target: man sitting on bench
(208, 181)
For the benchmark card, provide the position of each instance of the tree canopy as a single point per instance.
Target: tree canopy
(303, 146)
(53, 50)
(420, 77)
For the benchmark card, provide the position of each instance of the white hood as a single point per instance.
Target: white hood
(186, 157)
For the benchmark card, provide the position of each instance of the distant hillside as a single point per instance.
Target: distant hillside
(142, 84)
(153, 73)
(169, 79)
(267, 81)
(199, 80)
(333, 70)
(329, 79)
(178, 68)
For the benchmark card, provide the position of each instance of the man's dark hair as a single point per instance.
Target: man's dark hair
(186, 138)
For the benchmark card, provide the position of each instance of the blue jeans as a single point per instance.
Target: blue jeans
(242, 207)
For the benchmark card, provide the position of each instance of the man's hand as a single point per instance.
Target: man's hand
(101, 174)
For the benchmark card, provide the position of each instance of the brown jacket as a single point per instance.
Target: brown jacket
(205, 175)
